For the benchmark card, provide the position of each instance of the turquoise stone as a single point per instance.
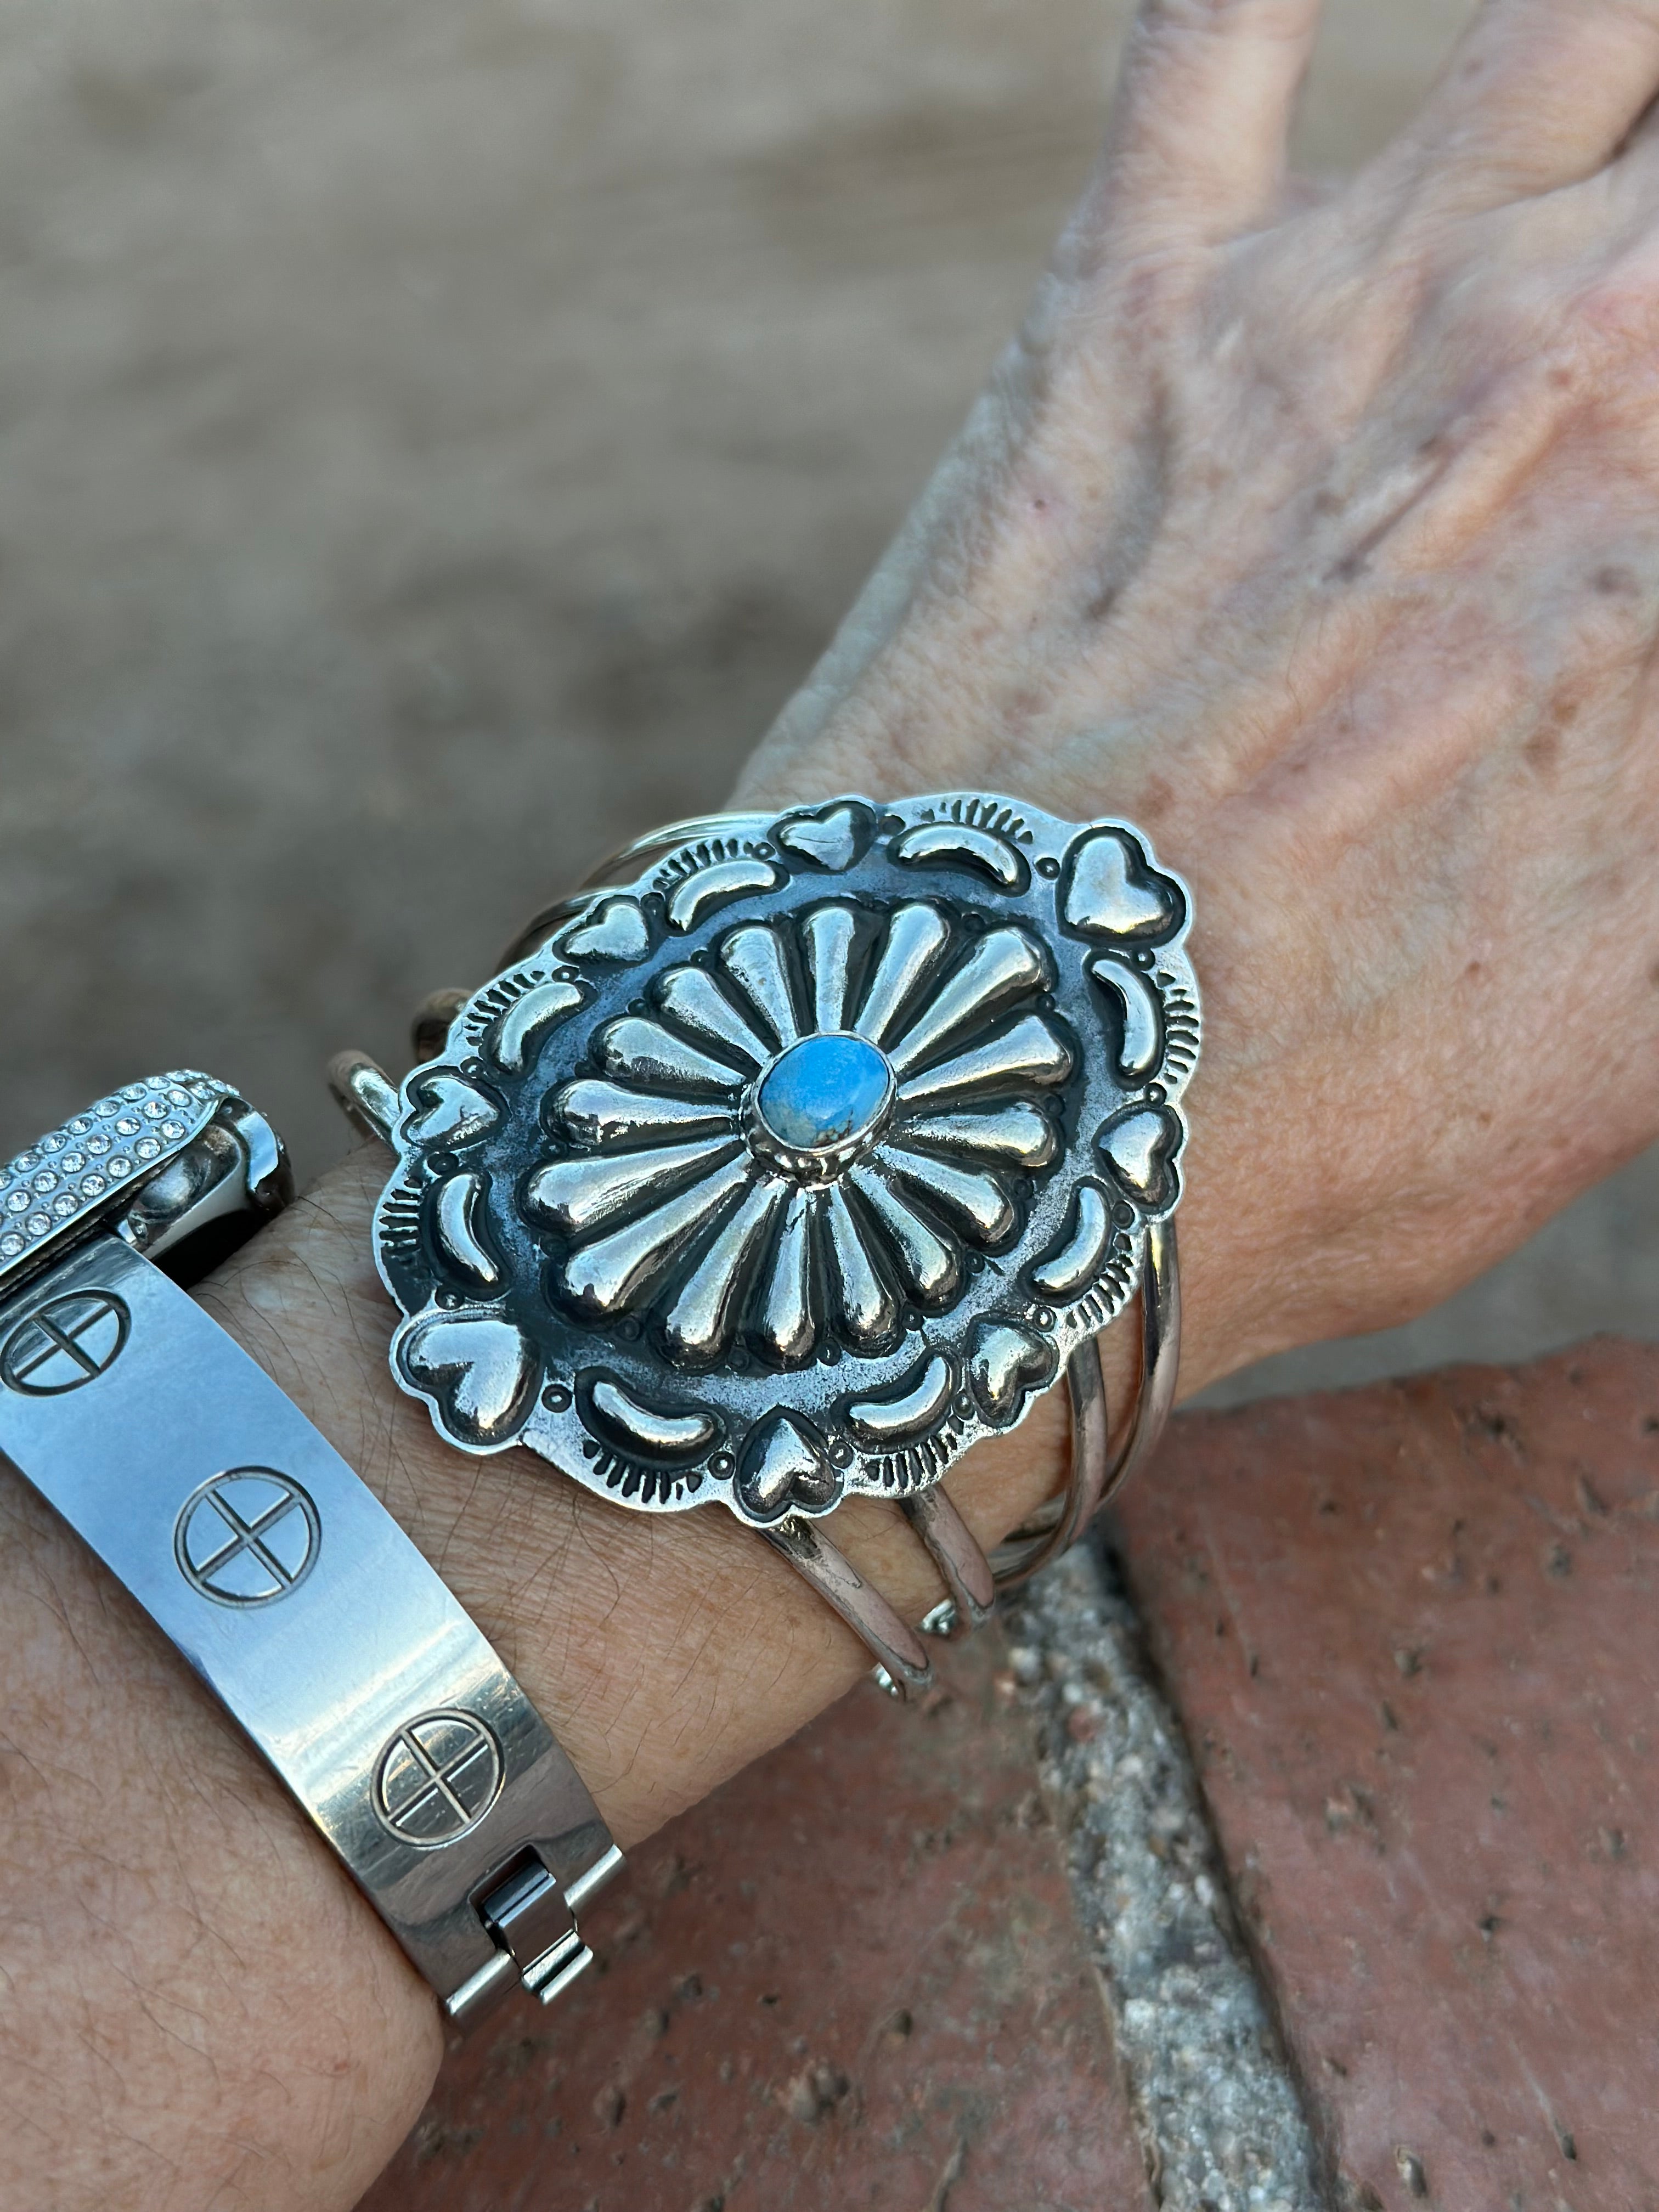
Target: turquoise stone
(823, 1091)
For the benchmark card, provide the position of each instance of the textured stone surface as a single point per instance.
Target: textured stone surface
(1216, 2103)
(1412, 1632)
(434, 443)
(851, 1979)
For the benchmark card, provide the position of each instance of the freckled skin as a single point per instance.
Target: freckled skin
(1325, 543)
(1316, 530)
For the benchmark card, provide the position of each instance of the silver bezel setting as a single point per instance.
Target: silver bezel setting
(813, 1163)
(1025, 979)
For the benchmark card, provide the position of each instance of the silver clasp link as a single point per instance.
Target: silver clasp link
(533, 1922)
(528, 1914)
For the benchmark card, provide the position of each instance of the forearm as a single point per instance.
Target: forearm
(201, 2008)
(179, 1945)
(1321, 544)
(224, 1952)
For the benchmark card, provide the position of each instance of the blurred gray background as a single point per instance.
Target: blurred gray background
(434, 437)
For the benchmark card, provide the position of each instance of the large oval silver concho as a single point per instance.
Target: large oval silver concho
(798, 1164)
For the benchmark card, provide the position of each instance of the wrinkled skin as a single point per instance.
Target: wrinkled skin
(1318, 534)
(1320, 537)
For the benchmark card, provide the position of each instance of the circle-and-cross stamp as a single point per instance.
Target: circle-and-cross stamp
(248, 1537)
(437, 1777)
(66, 1342)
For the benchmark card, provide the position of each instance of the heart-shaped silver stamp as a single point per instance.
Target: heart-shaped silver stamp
(830, 838)
(1112, 891)
(613, 929)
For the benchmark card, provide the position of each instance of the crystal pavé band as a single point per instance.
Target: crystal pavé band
(255, 1548)
(796, 1154)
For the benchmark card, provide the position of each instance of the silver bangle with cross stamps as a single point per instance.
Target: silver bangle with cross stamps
(286, 1586)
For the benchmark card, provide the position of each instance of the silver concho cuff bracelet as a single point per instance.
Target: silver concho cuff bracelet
(286, 1586)
(794, 1155)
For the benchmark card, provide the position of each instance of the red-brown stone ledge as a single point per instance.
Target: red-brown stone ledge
(851, 1979)
(1413, 1634)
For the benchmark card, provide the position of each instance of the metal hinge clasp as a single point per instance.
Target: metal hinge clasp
(528, 1916)
(532, 1921)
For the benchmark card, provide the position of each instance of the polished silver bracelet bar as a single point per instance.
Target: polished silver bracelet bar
(792, 1156)
(257, 1550)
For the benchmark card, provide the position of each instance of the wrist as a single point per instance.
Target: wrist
(666, 1656)
(664, 1660)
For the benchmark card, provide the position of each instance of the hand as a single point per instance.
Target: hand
(1316, 535)
(1320, 535)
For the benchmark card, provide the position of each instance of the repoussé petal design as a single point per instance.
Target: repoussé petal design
(648, 1222)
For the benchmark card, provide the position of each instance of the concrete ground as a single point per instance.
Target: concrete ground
(434, 441)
